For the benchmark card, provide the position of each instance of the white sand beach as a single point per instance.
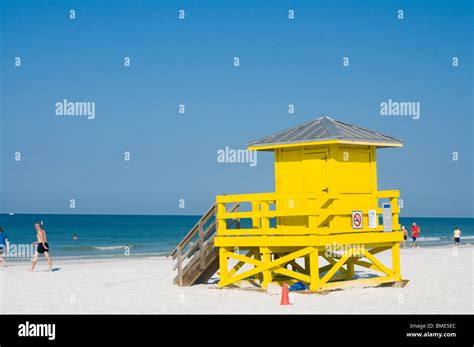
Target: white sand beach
(440, 281)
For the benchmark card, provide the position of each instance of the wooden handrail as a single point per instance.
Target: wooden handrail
(193, 248)
(195, 229)
(179, 265)
(205, 235)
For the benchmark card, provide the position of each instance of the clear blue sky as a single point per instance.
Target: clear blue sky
(191, 62)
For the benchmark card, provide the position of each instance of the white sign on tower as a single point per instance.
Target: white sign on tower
(387, 217)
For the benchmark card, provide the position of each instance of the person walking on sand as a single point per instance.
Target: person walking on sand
(43, 247)
(457, 236)
(415, 233)
(3, 246)
(405, 236)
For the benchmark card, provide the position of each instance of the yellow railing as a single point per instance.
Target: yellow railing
(393, 196)
(265, 206)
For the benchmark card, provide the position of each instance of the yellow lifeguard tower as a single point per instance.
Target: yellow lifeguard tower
(321, 222)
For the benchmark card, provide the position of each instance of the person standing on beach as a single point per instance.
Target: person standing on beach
(405, 236)
(415, 233)
(457, 236)
(43, 247)
(3, 246)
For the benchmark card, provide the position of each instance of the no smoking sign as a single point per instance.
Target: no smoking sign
(357, 221)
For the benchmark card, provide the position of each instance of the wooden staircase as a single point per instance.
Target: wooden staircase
(197, 260)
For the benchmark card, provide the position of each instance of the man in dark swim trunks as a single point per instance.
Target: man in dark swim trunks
(457, 236)
(43, 247)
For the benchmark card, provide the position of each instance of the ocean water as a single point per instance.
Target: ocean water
(100, 235)
(120, 235)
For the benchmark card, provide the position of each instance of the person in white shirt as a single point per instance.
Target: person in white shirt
(457, 236)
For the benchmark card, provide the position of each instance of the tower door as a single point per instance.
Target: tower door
(315, 178)
(305, 171)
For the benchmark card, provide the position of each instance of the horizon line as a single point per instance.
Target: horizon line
(167, 215)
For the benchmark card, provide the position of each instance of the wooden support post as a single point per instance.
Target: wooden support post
(179, 252)
(267, 274)
(255, 209)
(223, 267)
(395, 209)
(237, 222)
(202, 260)
(221, 223)
(350, 268)
(314, 269)
(265, 221)
(307, 265)
(396, 261)
(258, 256)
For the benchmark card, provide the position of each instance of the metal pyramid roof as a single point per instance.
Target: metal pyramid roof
(325, 129)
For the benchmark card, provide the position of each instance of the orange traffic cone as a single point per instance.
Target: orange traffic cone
(285, 300)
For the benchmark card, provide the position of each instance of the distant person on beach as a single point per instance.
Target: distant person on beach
(405, 236)
(43, 247)
(74, 237)
(415, 233)
(3, 246)
(457, 236)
